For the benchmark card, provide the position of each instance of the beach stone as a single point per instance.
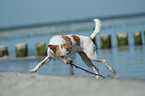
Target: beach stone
(137, 38)
(41, 48)
(3, 51)
(21, 50)
(106, 41)
(122, 38)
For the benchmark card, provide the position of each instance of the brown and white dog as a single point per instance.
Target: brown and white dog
(64, 47)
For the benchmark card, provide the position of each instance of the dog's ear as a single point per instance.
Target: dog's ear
(53, 47)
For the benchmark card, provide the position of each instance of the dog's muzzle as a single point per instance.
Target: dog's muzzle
(69, 62)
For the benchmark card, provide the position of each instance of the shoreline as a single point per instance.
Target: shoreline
(18, 84)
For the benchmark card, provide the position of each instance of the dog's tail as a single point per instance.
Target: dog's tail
(97, 28)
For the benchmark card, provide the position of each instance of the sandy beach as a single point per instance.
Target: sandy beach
(18, 84)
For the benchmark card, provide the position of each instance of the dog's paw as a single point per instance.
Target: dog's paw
(33, 71)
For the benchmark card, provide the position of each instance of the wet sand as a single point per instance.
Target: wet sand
(18, 84)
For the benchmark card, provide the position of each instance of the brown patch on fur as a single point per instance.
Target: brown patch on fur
(67, 40)
(68, 44)
(77, 39)
(68, 47)
(55, 49)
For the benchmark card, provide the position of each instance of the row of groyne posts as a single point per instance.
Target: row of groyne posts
(122, 39)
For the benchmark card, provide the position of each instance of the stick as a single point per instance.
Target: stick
(87, 70)
(71, 70)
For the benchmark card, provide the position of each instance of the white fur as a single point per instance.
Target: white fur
(97, 28)
(56, 40)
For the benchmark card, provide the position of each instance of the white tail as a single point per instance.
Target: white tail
(97, 28)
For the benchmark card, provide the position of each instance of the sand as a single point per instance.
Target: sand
(18, 84)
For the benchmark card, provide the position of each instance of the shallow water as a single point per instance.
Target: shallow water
(128, 61)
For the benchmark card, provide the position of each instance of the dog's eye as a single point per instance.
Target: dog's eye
(61, 56)
(67, 53)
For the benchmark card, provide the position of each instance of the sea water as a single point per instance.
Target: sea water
(128, 61)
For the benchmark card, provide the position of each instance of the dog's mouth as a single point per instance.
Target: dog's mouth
(69, 62)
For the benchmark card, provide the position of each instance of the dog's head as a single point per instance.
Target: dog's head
(62, 52)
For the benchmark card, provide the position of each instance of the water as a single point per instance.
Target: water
(128, 61)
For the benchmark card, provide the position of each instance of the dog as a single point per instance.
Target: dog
(63, 47)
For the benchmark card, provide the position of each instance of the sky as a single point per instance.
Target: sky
(25, 12)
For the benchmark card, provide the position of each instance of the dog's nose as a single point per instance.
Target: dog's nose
(69, 62)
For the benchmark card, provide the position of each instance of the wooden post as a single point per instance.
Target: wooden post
(106, 41)
(41, 48)
(137, 38)
(21, 50)
(122, 38)
(3, 51)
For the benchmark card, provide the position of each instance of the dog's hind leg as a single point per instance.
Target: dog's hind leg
(88, 62)
(47, 59)
(106, 64)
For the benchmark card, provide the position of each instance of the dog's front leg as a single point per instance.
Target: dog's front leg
(47, 59)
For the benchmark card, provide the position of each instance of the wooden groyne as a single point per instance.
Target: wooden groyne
(21, 49)
(3, 51)
(106, 41)
(41, 48)
(137, 38)
(122, 38)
